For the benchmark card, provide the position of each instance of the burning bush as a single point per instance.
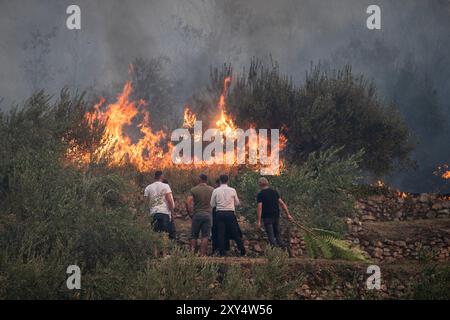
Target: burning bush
(330, 109)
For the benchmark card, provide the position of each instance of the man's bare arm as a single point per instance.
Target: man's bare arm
(236, 199)
(170, 202)
(213, 200)
(285, 208)
(259, 213)
(190, 204)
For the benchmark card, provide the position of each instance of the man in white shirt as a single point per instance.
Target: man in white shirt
(225, 200)
(161, 204)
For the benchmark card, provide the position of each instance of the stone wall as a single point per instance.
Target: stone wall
(336, 279)
(399, 226)
(388, 227)
(402, 242)
(396, 206)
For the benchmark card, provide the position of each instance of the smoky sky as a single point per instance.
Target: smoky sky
(408, 59)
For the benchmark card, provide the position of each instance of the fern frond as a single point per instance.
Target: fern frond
(329, 245)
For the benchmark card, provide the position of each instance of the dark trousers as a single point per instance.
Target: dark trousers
(215, 234)
(163, 223)
(272, 227)
(227, 224)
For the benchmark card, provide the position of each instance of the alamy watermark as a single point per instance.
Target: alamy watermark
(374, 280)
(236, 146)
(73, 21)
(74, 279)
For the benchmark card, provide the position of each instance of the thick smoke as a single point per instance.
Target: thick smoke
(408, 59)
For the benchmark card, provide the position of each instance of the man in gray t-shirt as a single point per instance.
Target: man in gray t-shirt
(198, 204)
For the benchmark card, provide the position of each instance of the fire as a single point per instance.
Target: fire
(380, 184)
(144, 152)
(189, 118)
(225, 123)
(402, 194)
(442, 171)
(143, 148)
(446, 175)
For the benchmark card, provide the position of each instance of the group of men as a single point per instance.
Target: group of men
(213, 212)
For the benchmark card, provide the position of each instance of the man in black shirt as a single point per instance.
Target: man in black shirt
(268, 211)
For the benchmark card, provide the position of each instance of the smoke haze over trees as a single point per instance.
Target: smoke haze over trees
(407, 59)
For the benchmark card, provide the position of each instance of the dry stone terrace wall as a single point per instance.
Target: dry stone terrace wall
(337, 279)
(399, 226)
(388, 227)
(403, 240)
(398, 207)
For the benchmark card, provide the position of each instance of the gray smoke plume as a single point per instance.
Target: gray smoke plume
(407, 59)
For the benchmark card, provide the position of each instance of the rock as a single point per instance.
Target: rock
(378, 253)
(257, 248)
(377, 199)
(359, 205)
(368, 217)
(424, 198)
(430, 214)
(398, 214)
(400, 243)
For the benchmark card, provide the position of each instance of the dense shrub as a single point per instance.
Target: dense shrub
(273, 279)
(330, 108)
(52, 215)
(318, 192)
(181, 276)
(433, 282)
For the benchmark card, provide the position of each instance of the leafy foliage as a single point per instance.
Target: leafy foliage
(180, 276)
(151, 85)
(52, 215)
(432, 282)
(331, 108)
(272, 279)
(328, 244)
(318, 192)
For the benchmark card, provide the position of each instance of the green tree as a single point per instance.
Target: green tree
(330, 109)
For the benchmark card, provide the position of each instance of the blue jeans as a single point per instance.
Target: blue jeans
(163, 223)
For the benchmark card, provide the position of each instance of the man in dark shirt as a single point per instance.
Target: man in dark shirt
(269, 212)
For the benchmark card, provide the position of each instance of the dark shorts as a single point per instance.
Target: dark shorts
(163, 223)
(201, 223)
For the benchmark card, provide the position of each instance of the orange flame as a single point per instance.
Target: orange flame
(380, 184)
(149, 149)
(189, 118)
(442, 171)
(446, 175)
(225, 123)
(117, 146)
